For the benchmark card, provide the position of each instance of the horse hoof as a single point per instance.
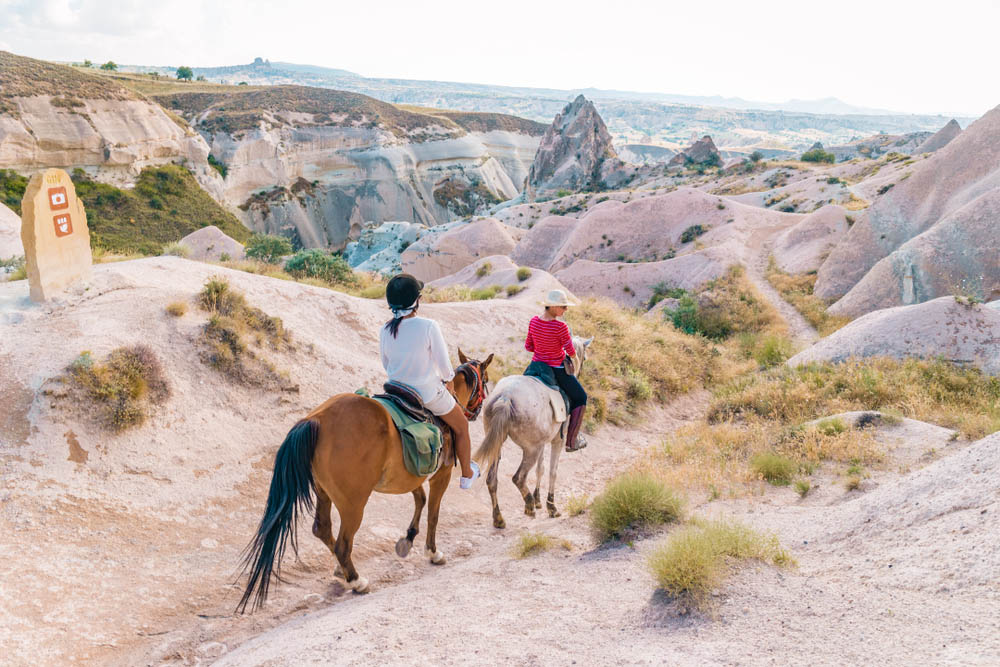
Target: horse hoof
(530, 511)
(359, 585)
(338, 572)
(403, 547)
(436, 557)
(553, 512)
(499, 523)
(538, 504)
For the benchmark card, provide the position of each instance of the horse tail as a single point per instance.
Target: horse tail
(499, 414)
(290, 495)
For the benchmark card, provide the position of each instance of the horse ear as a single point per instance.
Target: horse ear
(462, 359)
(487, 362)
(587, 342)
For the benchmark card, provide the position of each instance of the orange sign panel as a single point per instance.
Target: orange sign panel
(63, 224)
(58, 198)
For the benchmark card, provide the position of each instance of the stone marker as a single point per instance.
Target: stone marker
(55, 235)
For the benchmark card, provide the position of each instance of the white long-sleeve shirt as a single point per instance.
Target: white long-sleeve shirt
(417, 356)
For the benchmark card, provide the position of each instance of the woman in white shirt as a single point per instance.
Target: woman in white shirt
(414, 353)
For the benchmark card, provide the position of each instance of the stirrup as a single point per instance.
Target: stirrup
(581, 442)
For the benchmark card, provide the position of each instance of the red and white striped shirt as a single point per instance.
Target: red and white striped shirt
(549, 340)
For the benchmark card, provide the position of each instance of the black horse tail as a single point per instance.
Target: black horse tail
(290, 495)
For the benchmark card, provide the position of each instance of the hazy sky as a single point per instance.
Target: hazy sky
(907, 56)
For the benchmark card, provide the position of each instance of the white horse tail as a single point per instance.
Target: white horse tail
(498, 415)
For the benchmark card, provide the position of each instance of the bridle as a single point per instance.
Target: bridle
(479, 392)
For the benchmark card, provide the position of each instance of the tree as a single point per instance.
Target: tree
(818, 155)
(87, 63)
(110, 66)
(201, 77)
(268, 248)
(756, 156)
(184, 73)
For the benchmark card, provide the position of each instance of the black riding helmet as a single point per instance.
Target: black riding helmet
(403, 291)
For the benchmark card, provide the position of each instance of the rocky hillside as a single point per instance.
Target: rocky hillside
(316, 164)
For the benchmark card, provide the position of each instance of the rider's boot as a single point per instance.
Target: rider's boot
(575, 441)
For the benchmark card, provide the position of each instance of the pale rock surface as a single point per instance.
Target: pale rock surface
(10, 234)
(939, 328)
(379, 247)
(960, 254)
(803, 248)
(502, 272)
(940, 139)
(575, 153)
(209, 244)
(645, 154)
(444, 252)
(954, 176)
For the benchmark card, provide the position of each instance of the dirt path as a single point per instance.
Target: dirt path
(760, 247)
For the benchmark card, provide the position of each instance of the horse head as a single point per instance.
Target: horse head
(582, 345)
(475, 377)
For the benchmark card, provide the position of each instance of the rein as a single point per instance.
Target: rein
(478, 392)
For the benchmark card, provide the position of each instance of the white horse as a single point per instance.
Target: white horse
(520, 407)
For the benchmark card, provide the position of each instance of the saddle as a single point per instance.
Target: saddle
(558, 399)
(427, 439)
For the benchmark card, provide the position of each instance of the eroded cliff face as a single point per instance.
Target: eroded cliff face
(320, 184)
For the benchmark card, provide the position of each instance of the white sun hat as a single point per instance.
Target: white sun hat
(556, 297)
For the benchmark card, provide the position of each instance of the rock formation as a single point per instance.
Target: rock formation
(575, 153)
(938, 190)
(210, 244)
(379, 247)
(803, 248)
(10, 234)
(940, 139)
(449, 248)
(702, 151)
(939, 328)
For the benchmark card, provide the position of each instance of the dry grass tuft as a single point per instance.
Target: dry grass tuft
(236, 335)
(177, 308)
(124, 387)
(775, 468)
(633, 502)
(532, 544)
(798, 291)
(695, 561)
(577, 505)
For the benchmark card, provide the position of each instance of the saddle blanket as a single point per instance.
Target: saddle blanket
(421, 440)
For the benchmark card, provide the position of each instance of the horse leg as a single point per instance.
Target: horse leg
(550, 502)
(404, 544)
(491, 484)
(439, 484)
(520, 477)
(350, 521)
(539, 471)
(323, 526)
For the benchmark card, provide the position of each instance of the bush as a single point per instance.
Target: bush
(663, 291)
(692, 232)
(756, 156)
(774, 468)
(484, 270)
(802, 487)
(693, 561)
(633, 501)
(725, 306)
(268, 248)
(532, 544)
(125, 386)
(772, 350)
(523, 273)
(485, 293)
(513, 290)
(218, 165)
(316, 263)
(818, 155)
(12, 187)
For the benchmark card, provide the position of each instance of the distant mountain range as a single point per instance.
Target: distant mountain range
(632, 117)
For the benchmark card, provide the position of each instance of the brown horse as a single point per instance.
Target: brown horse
(343, 450)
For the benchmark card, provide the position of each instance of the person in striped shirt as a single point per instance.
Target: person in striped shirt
(550, 341)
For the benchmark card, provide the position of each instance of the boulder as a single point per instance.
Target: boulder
(941, 138)
(803, 248)
(575, 153)
(943, 327)
(10, 234)
(702, 151)
(441, 253)
(209, 244)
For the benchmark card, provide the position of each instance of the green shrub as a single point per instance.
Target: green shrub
(831, 426)
(268, 248)
(12, 187)
(633, 501)
(316, 263)
(818, 155)
(774, 468)
(692, 232)
(484, 270)
(663, 291)
(802, 487)
(523, 273)
(514, 289)
(484, 293)
(693, 561)
(176, 250)
(772, 350)
(218, 165)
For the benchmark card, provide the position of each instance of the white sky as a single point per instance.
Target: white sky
(907, 56)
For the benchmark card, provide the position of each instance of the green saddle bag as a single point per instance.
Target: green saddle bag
(421, 440)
